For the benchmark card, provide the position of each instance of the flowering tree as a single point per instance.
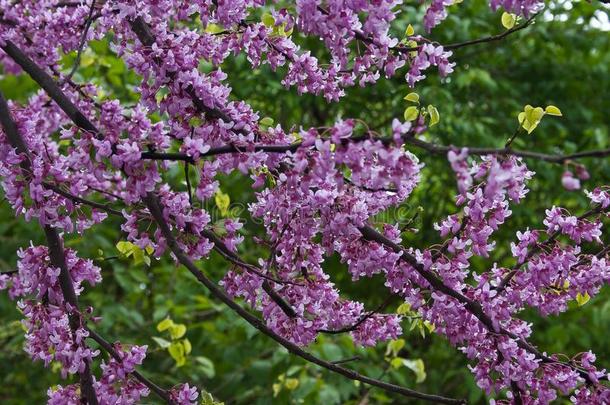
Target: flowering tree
(73, 156)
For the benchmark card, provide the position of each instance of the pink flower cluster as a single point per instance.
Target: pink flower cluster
(319, 189)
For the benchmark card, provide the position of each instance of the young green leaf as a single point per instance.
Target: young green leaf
(552, 110)
(582, 299)
(222, 202)
(411, 113)
(508, 20)
(165, 324)
(412, 97)
(434, 115)
(177, 331)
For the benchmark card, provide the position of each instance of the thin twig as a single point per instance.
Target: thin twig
(83, 41)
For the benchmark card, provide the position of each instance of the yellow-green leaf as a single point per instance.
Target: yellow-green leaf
(165, 324)
(125, 248)
(508, 20)
(411, 113)
(213, 28)
(394, 347)
(410, 30)
(187, 346)
(176, 350)
(404, 308)
(163, 344)
(434, 115)
(396, 362)
(177, 331)
(412, 97)
(291, 383)
(222, 202)
(582, 299)
(268, 20)
(267, 121)
(417, 366)
(552, 110)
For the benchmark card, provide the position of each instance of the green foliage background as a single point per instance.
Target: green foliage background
(560, 60)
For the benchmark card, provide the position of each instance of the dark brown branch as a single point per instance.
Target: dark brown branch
(222, 248)
(83, 201)
(441, 149)
(83, 40)
(109, 348)
(56, 251)
(221, 150)
(473, 307)
(492, 38)
(348, 360)
(51, 88)
(185, 260)
(418, 143)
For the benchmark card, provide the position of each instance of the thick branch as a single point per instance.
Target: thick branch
(473, 307)
(56, 251)
(55, 92)
(156, 211)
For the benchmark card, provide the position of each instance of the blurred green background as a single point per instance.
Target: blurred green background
(563, 59)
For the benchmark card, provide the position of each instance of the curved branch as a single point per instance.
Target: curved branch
(156, 211)
(109, 348)
(368, 233)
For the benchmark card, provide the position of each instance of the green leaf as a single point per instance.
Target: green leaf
(417, 366)
(206, 366)
(267, 122)
(163, 344)
(411, 113)
(222, 202)
(177, 331)
(582, 299)
(404, 308)
(165, 324)
(291, 383)
(552, 110)
(410, 30)
(434, 115)
(268, 20)
(176, 350)
(508, 20)
(412, 97)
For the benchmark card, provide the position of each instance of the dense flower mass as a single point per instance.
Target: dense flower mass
(317, 190)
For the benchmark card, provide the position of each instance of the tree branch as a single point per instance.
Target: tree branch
(56, 252)
(473, 307)
(109, 348)
(156, 211)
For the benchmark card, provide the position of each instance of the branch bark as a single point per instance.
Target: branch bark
(56, 251)
(156, 210)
